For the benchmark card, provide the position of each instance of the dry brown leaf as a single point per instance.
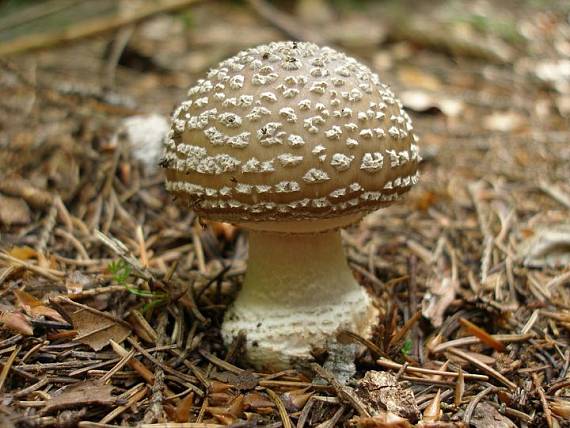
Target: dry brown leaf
(433, 412)
(415, 78)
(144, 134)
(255, 400)
(549, 245)
(486, 416)
(561, 408)
(14, 211)
(76, 282)
(223, 230)
(381, 390)
(440, 294)
(183, 408)
(504, 121)
(483, 336)
(243, 381)
(16, 322)
(96, 328)
(422, 101)
(35, 308)
(81, 394)
(23, 253)
(385, 420)
(555, 73)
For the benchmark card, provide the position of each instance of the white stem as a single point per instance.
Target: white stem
(298, 291)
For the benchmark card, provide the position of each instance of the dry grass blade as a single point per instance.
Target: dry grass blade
(123, 252)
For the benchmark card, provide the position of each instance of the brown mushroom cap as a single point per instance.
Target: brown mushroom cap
(290, 131)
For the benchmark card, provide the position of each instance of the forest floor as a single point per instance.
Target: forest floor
(111, 296)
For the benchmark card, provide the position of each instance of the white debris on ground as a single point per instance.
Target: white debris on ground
(145, 134)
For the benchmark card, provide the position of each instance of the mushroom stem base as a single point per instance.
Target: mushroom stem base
(297, 293)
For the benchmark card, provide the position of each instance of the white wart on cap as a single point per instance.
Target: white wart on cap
(292, 141)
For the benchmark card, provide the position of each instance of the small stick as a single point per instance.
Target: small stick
(124, 360)
(545, 408)
(221, 363)
(305, 413)
(396, 366)
(369, 344)
(49, 224)
(136, 365)
(555, 193)
(483, 336)
(140, 392)
(8, 365)
(54, 275)
(341, 390)
(473, 403)
(401, 333)
(281, 408)
(39, 384)
(491, 371)
(74, 241)
(464, 341)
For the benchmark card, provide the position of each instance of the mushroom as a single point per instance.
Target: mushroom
(292, 142)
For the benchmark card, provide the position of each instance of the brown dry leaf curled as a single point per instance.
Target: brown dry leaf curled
(81, 394)
(95, 328)
(438, 298)
(14, 211)
(549, 246)
(16, 322)
(384, 420)
(35, 308)
(23, 253)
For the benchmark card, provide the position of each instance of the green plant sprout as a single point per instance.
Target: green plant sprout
(120, 270)
(407, 347)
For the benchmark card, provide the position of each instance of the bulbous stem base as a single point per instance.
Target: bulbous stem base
(297, 293)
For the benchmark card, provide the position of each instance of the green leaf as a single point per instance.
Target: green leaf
(407, 347)
(120, 270)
